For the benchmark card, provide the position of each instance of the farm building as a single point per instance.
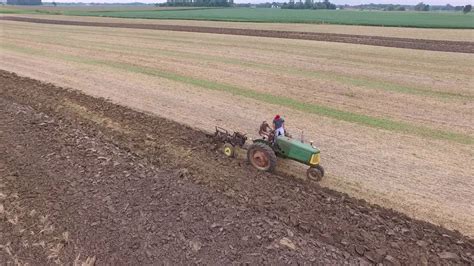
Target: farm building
(24, 2)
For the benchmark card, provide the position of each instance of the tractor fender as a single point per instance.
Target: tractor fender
(262, 141)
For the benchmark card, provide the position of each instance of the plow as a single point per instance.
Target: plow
(262, 153)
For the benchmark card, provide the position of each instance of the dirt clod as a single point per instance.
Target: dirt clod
(448, 255)
(287, 243)
(360, 250)
(195, 245)
(391, 260)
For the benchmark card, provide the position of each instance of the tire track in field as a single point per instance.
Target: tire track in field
(432, 45)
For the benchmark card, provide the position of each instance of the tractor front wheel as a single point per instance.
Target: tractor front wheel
(315, 173)
(262, 157)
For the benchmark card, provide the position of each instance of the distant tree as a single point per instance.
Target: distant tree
(420, 6)
(291, 4)
(327, 5)
(299, 5)
(54, 3)
(394, 8)
(308, 4)
(458, 8)
(467, 9)
(448, 7)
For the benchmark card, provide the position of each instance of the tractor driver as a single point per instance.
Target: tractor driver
(279, 126)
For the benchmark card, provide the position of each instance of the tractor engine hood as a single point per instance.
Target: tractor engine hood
(296, 150)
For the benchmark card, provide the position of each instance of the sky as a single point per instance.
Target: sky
(339, 2)
(356, 2)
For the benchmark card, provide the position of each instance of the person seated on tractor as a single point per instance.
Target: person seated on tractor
(279, 126)
(266, 132)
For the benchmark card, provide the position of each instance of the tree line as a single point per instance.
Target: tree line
(326, 4)
(311, 4)
(199, 3)
(424, 7)
(308, 4)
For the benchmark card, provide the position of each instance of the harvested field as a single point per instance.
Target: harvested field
(394, 125)
(83, 179)
(433, 45)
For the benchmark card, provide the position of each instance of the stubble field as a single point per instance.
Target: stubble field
(394, 125)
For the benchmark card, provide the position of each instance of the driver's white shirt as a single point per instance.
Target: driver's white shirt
(280, 132)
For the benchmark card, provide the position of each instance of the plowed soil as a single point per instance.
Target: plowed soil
(85, 180)
(433, 45)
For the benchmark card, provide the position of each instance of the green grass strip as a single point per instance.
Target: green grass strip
(361, 119)
(448, 20)
(274, 15)
(361, 82)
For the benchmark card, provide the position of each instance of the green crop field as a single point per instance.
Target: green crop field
(347, 17)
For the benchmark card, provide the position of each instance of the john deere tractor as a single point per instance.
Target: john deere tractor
(263, 152)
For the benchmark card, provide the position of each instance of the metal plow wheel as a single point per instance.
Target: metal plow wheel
(229, 150)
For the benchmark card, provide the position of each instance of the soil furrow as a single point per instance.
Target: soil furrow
(421, 44)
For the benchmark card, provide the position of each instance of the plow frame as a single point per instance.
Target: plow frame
(236, 139)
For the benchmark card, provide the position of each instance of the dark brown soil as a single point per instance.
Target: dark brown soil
(433, 45)
(81, 177)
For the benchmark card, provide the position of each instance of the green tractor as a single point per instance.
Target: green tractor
(263, 152)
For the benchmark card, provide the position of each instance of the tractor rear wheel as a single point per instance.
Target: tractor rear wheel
(315, 173)
(262, 157)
